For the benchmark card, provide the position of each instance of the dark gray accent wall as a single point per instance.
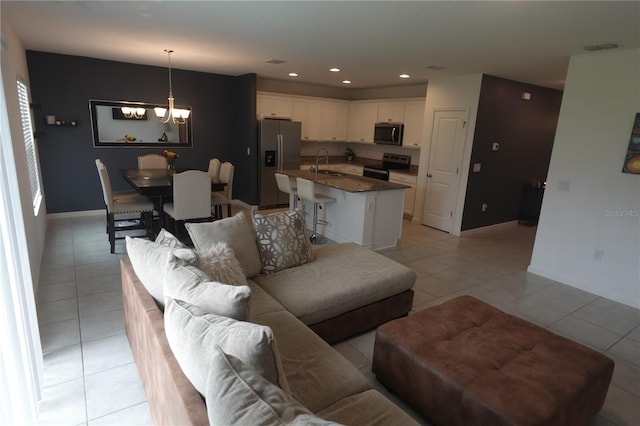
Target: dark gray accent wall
(525, 131)
(223, 123)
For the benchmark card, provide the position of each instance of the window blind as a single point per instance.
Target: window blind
(30, 145)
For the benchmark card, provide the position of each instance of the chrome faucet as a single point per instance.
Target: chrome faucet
(318, 157)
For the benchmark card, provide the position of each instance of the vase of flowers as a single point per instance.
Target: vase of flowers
(171, 160)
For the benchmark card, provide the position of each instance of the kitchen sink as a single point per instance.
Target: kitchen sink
(329, 173)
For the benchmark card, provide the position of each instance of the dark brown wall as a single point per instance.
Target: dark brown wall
(525, 131)
(223, 123)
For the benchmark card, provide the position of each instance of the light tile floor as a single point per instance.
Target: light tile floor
(90, 377)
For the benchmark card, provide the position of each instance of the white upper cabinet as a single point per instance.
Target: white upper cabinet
(413, 120)
(333, 121)
(274, 106)
(362, 119)
(308, 113)
(391, 112)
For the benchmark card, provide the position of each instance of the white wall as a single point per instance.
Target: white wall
(601, 210)
(449, 93)
(14, 66)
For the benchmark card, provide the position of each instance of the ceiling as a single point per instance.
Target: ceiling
(371, 42)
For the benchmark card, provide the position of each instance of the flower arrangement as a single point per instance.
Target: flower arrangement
(350, 154)
(171, 158)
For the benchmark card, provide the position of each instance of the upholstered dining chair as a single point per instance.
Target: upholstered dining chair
(191, 197)
(285, 185)
(152, 161)
(223, 198)
(122, 203)
(214, 170)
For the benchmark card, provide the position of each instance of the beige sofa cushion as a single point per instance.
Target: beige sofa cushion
(237, 395)
(342, 277)
(190, 284)
(192, 334)
(149, 261)
(317, 375)
(369, 408)
(261, 302)
(237, 232)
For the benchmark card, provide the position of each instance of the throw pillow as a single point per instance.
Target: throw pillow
(283, 240)
(167, 239)
(149, 260)
(238, 395)
(220, 264)
(236, 232)
(193, 333)
(190, 284)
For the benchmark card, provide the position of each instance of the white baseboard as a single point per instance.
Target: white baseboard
(81, 213)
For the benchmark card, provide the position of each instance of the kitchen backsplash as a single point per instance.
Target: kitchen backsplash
(371, 151)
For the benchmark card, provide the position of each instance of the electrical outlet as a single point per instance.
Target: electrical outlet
(598, 254)
(476, 167)
(484, 207)
(564, 185)
(248, 150)
(495, 146)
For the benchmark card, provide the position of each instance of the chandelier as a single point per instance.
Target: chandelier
(131, 112)
(176, 115)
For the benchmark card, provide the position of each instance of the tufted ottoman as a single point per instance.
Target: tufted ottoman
(465, 362)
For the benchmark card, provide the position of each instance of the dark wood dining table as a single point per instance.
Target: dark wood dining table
(156, 182)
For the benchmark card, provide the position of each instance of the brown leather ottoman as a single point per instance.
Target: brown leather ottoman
(465, 362)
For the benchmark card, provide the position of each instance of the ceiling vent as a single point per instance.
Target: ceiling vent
(435, 67)
(275, 61)
(605, 46)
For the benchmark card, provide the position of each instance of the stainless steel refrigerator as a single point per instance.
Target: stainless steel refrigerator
(279, 147)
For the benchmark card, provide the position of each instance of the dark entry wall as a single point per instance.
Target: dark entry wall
(223, 123)
(525, 131)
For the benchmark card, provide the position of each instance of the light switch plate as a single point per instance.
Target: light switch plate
(476, 167)
(495, 146)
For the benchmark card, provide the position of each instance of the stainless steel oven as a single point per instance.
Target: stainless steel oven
(389, 162)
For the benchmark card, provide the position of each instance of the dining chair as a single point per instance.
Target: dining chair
(123, 204)
(152, 161)
(191, 197)
(223, 198)
(214, 170)
(285, 185)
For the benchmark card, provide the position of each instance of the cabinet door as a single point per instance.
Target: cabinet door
(308, 113)
(409, 200)
(333, 121)
(274, 106)
(413, 120)
(362, 120)
(391, 112)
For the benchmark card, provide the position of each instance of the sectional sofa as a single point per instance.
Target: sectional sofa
(341, 290)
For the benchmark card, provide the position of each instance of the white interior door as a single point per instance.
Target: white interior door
(445, 158)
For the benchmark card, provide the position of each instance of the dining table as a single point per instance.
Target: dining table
(157, 184)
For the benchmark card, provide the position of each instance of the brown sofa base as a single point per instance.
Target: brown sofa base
(465, 362)
(172, 398)
(364, 319)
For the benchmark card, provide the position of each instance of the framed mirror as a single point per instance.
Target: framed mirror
(135, 124)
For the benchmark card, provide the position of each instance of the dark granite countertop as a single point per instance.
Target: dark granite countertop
(357, 161)
(345, 181)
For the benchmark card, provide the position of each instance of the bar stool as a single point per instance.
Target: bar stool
(284, 185)
(306, 191)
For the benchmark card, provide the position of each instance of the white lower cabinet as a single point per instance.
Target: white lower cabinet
(409, 193)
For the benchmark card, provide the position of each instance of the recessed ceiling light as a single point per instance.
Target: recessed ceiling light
(293, 74)
(334, 69)
(346, 81)
(404, 76)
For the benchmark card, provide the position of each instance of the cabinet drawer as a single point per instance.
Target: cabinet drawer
(403, 178)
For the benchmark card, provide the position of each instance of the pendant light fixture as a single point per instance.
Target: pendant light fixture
(176, 115)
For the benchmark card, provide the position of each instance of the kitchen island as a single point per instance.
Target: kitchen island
(367, 211)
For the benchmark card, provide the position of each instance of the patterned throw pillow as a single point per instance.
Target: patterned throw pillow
(283, 240)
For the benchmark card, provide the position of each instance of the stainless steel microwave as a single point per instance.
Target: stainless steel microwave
(388, 133)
